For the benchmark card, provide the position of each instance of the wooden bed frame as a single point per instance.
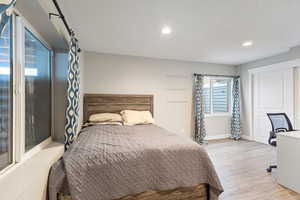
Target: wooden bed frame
(199, 192)
(115, 103)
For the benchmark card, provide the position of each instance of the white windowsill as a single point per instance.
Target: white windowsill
(27, 155)
(28, 178)
(30, 154)
(36, 149)
(7, 169)
(218, 115)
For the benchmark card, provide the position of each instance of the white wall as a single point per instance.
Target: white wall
(82, 83)
(294, 53)
(297, 99)
(170, 81)
(218, 127)
(39, 19)
(59, 94)
(28, 179)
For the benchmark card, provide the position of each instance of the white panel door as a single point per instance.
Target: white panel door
(177, 99)
(272, 93)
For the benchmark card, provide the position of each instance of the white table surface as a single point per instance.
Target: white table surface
(288, 160)
(293, 134)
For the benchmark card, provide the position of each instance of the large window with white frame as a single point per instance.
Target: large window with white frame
(6, 96)
(217, 95)
(37, 90)
(25, 91)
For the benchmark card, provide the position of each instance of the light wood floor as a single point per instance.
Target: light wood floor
(241, 167)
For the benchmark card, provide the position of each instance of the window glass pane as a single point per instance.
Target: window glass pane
(6, 98)
(220, 96)
(206, 95)
(37, 91)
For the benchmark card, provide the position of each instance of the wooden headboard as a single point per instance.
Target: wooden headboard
(115, 103)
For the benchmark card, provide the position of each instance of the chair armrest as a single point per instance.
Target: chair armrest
(281, 130)
(271, 137)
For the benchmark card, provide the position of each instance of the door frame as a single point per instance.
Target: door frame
(277, 66)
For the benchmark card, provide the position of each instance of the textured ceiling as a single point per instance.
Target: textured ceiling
(203, 30)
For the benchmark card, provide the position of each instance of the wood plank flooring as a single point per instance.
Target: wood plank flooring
(241, 166)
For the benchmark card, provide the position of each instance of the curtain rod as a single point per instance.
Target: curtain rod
(217, 75)
(62, 17)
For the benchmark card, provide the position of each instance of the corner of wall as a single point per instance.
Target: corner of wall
(81, 68)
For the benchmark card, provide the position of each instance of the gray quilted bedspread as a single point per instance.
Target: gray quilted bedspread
(108, 162)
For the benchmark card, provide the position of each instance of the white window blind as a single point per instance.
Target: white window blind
(217, 95)
(220, 96)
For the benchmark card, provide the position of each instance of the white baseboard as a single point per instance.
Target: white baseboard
(217, 137)
(224, 136)
(246, 137)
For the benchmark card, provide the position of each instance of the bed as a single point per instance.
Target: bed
(141, 162)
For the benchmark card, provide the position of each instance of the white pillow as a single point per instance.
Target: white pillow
(133, 117)
(105, 117)
(102, 123)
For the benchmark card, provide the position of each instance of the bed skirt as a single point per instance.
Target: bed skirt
(199, 192)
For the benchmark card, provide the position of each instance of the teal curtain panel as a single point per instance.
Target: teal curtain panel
(199, 132)
(72, 112)
(236, 120)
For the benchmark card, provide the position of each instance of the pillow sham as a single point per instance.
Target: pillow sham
(105, 117)
(102, 123)
(134, 117)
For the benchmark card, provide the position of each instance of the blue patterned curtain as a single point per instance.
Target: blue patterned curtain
(200, 131)
(72, 112)
(4, 16)
(235, 120)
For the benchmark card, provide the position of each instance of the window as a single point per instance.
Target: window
(37, 91)
(25, 92)
(217, 95)
(6, 98)
(206, 95)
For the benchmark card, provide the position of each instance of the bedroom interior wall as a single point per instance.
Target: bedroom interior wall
(171, 83)
(294, 53)
(82, 82)
(59, 95)
(28, 179)
(296, 124)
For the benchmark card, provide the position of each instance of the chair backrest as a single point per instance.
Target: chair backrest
(280, 121)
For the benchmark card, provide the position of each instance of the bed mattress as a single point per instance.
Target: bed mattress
(109, 162)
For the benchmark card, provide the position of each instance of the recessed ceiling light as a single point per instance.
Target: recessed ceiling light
(166, 30)
(247, 43)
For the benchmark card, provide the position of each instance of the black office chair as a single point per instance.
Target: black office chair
(280, 123)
